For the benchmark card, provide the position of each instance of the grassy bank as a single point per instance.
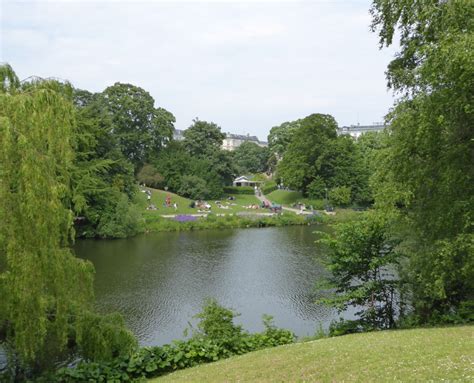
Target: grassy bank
(288, 198)
(437, 354)
(158, 198)
(157, 223)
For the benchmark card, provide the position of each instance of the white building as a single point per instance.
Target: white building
(355, 131)
(233, 141)
(178, 135)
(245, 181)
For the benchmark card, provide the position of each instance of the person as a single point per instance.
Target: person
(175, 205)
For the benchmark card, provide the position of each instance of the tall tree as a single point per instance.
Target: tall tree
(102, 178)
(47, 293)
(141, 128)
(280, 137)
(251, 158)
(426, 171)
(302, 161)
(203, 138)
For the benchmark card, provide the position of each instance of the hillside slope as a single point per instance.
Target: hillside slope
(439, 354)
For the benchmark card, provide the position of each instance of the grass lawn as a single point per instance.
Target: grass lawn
(158, 198)
(288, 198)
(418, 355)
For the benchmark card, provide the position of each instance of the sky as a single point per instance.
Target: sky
(245, 65)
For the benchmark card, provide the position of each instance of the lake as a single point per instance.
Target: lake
(159, 281)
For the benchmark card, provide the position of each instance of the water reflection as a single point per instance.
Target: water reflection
(159, 281)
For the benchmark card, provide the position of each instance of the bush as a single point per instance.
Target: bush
(239, 190)
(193, 187)
(149, 176)
(340, 196)
(217, 338)
(317, 189)
(120, 220)
(268, 187)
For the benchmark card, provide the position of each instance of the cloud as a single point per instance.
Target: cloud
(245, 65)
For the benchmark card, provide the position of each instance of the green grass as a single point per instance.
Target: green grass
(158, 198)
(418, 355)
(288, 198)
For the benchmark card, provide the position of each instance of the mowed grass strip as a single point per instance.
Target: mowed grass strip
(418, 355)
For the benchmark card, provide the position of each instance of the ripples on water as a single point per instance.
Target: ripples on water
(159, 281)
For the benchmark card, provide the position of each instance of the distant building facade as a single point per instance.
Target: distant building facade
(178, 135)
(355, 131)
(233, 141)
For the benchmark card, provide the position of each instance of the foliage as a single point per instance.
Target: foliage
(47, 292)
(426, 172)
(154, 223)
(218, 338)
(317, 188)
(215, 168)
(193, 187)
(303, 158)
(268, 187)
(281, 136)
(361, 257)
(340, 196)
(250, 158)
(148, 175)
(101, 177)
(119, 219)
(203, 138)
(317, 159)
(239, 190)
(141, 129)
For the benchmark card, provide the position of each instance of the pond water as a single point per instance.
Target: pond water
(159, 281)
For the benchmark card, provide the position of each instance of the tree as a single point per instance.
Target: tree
(251, 158)
(203, 138)
(361, 258)
(47, 294)
(142, 129)
(101, 177)
(150, 176)
(316, 156)
(426, 171)
(280, 137)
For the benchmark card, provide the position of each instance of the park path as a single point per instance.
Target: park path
(262, 198)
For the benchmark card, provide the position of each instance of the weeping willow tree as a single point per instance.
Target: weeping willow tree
(47, 295)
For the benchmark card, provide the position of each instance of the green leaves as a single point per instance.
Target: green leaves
(217, 339)
(362, 259)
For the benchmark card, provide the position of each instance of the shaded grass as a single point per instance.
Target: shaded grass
(435, 354)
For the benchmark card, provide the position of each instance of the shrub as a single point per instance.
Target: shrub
(193, 187)
(317, 188)
(216, 337)
(150, 176)
(340, 196)
(269, 187)
(239, 190)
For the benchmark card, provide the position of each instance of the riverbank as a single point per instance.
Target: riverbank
(435, 354)
(156, 223)
(243, 211)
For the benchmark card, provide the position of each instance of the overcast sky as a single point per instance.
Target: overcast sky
(245, 65)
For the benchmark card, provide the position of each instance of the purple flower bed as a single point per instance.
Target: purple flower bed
(185, 218)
